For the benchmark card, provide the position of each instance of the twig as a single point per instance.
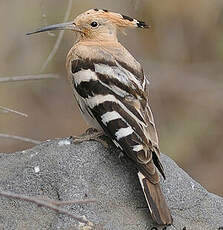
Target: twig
(3, 135)
(44, 204)
(68, 202)
(28, 77)
(5, 109)
(45, 18)
(59, 39)
(136, 4)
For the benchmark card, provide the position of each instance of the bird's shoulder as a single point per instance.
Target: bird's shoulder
(105, 53)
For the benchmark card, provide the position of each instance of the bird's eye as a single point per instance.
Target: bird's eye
(94, 24)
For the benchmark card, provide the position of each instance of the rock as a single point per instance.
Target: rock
(61, 170)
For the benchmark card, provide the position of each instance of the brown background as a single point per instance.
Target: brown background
(182, 55)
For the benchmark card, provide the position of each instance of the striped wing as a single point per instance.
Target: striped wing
(116, 96)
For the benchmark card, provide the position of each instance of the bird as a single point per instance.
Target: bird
(112, 93)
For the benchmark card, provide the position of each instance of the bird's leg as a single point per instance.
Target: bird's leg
(91, 134)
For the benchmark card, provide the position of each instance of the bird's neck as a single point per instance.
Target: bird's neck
(97, 42)
(98, 39)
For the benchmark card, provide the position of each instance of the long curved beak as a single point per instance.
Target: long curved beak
(61, 26)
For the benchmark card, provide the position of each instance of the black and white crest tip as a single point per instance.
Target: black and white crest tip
(142, 24)
(127, 18)
(137, 23)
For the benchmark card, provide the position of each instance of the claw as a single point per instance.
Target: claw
(91, 134)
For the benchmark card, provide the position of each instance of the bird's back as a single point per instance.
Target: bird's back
(107, 51)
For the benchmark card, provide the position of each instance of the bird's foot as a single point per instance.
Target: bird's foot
(91, 134)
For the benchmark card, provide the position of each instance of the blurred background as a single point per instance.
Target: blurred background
(182, 56)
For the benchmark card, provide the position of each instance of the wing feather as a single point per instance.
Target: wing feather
(116, 95)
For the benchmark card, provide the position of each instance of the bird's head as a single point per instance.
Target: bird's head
(97, 24)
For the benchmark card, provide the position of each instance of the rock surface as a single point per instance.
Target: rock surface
(61, 170)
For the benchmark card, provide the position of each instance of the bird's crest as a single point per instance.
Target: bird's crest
(117, 19)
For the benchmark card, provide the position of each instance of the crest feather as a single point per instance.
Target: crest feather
(119, 20)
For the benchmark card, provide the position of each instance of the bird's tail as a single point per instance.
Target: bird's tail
(156, 201)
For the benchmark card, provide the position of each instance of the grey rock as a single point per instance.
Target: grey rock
(61, 170)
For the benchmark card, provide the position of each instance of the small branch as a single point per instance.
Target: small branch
(68, 202)
(136, 4)
(59, 39)
(5, 109)
(44, 204)
(45, 18)
(28, 77)
(3, 135)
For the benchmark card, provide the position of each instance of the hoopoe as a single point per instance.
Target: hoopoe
(112, 93)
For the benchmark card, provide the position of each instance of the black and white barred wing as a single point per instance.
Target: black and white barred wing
(115, 97)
